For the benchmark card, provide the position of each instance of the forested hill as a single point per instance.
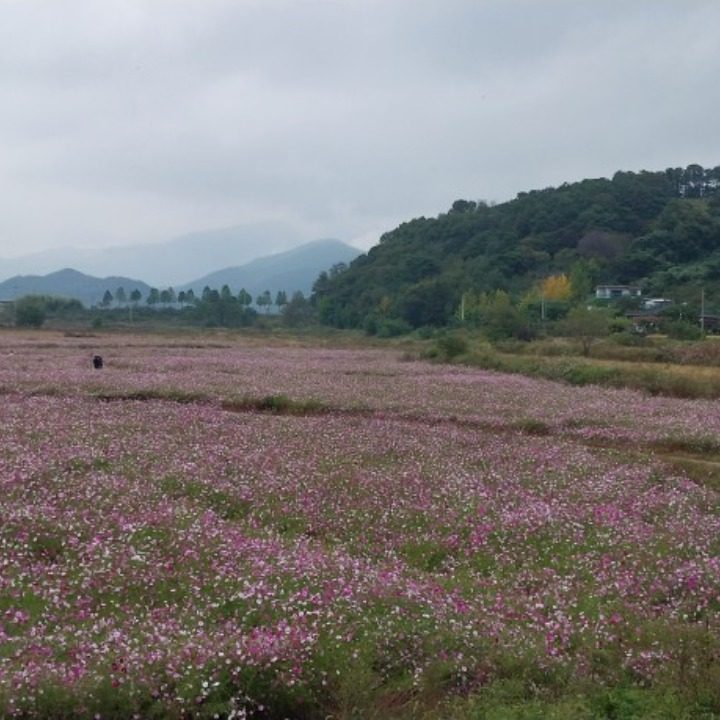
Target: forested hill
(660, 230)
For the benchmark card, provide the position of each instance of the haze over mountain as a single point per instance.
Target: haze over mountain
(295, 269)
(68, 283)
(163, 264)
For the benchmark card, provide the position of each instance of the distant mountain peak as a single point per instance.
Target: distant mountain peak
(163, 263)
(291, 270)
(68, 283)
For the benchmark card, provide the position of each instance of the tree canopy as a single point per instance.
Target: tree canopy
(644, 228)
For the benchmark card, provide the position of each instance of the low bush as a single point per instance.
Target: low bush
(681, 330)
(452, 345)
(277, 404)
(392, 327)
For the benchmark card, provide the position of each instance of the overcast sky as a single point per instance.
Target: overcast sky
(129, 121)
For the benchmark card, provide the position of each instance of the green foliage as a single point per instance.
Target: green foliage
(221, 309)
(451, 346)
(512, 699)
(34, 310)
(426, 556)
(278, 405)
(393, 328)
(371, 324)
(298, 311)
(587, 325)
(681, 330)
(30, 311)
(264, 299)
(153, 297)
(636, 227)
(428, 302)
(495, 314)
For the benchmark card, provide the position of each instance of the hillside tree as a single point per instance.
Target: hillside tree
(30, 311)
(244, 298)
(153, 297)
(264, 299)
(587, 325)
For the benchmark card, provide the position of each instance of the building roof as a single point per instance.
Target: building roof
(618, 287)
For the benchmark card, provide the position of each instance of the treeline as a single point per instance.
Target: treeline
(34, 310)
(168, 297)
(221, 308)
(214, 308)
(660, 230)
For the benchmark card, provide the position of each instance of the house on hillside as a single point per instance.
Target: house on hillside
(657, 303)
(613, 292)
(644, 322)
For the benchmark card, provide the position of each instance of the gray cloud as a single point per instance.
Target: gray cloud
(134, 120)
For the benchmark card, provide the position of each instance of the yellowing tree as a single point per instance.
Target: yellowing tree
(556, 287)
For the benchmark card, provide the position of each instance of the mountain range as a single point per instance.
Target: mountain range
(293, 270)
(164, 264)
(296, 269)
(68, 283)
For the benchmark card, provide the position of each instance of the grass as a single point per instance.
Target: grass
(673, 380)
(654, 365)
(507, 700)
(277, 405)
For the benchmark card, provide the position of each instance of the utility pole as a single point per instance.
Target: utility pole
(702, 310)
(542, 307)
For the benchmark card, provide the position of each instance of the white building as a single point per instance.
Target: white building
(612, 292)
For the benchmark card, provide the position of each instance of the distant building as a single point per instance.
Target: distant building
(644, 322)
(612, 292)
(710, 323)
(656, 303)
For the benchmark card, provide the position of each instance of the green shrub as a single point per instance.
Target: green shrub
(426, 332)
(629, 338)
(681, 330)
(452, 345)
(392, 327)
(30, 311)
(531, 426)
(371, 324)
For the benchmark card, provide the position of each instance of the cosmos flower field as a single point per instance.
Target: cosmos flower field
(217, 527)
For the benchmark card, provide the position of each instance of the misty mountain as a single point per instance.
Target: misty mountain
(167, 263)
(296, 269)
(69, 284)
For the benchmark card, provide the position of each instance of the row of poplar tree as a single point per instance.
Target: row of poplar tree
(169, 298)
